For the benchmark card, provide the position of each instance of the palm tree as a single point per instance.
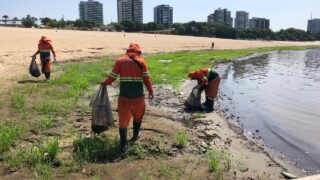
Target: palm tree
(5, 17)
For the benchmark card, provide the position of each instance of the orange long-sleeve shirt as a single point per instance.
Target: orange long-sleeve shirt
(44, 48)
(203, 76)
(132, 77)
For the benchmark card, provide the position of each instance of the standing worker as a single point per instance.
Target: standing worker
(209, 81)
(133, 73)
(44, 48)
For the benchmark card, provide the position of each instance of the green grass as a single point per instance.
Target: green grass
(96, 149)
(168, 172)
(181, 63)
(17, 101)
(38, 157)
(45, 123)
(181, 140)
(219, 162)
(8, 134)
(43, 171)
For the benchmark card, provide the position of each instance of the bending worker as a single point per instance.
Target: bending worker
(44, 48)
(209, 81)
(133, 73)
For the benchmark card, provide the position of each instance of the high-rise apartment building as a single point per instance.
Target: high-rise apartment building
(163, 14)
(314, 26)
(221, 16)
(242, 20)
(130, 10)
(259, 23)
(91, 11)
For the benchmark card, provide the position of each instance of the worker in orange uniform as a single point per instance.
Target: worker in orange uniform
(44, 48)
(209, 81)
(133, 73)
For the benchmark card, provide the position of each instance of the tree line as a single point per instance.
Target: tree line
(192, 28)
(219, 30)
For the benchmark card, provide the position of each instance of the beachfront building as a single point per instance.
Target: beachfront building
(91, 11)
(221, 16)
(314, 26)
(241, 20)
(163, 14)
(130, 10)
(259, 23)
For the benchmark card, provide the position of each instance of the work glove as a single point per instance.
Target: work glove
(151, 96)
(55, 61)
(103, 84)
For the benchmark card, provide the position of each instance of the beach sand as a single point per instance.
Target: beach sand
(18, 44)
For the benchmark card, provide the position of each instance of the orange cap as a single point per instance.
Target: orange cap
(134, 48)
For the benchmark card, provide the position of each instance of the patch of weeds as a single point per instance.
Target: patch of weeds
(197, 115)
(157, 146)
(1, 104)
(170, 172)
(9, 133)
(17, 101)
(139, 151)
(39, 158)
(146, 175)
(96, 149)
(39, 153)
(45, 123)
(181, 140)
(43, 171)
(219, 162)
(54, 107)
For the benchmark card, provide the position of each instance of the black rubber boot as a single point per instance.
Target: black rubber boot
(206, 102)
(208, 107)
(47, 74)
(136, 131)
(123, 140)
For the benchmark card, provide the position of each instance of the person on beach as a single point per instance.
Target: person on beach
(133, 73)
(44, 49)
(209, 81)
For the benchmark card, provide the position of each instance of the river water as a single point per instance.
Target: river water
(276, 96)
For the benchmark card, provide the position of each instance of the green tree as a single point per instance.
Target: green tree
(5, 17)
(46, 21)
(29, 21)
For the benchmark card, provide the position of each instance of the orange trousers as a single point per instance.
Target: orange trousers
(128, 107)
(46, 65)
(212, 88)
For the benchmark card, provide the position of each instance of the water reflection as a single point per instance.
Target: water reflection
(278, 93)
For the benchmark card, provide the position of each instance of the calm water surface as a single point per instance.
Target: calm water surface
(279, 95)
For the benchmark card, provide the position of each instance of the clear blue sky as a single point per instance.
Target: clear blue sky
(282, 13)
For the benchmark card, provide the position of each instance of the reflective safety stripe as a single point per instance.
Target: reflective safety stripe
(204, 79)
(114, 75)
(145, 73)
(44, 50)
(130, 79)
(209, 72)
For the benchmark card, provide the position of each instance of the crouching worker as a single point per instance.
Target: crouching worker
(44, 49)
(209, 81)
(133, 73)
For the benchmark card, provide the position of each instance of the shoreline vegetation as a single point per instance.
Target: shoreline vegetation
(45, 127)
(193, 28)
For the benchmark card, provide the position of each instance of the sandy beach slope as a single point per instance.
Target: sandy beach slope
(18, 44)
